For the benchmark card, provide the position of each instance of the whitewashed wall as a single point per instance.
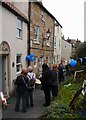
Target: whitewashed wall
(9, 28)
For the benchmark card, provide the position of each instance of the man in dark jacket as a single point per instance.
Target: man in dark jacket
(21, 90)
(46, 81)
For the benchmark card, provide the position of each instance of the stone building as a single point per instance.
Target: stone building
(41, 36)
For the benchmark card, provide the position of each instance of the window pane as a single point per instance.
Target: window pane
(18, 63)
(36, 33)
(18, 59)
(19, 28)
(55, 42)
(17, 68)
(18, 23)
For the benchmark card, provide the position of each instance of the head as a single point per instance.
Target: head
(54, 67)
(30, 69)
(44, 66)
(24, 72)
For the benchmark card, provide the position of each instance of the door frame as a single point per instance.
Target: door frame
(5, 52)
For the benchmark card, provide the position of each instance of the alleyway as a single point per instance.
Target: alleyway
(33, 112)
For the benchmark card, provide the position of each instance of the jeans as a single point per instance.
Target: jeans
(30, 97)
(20, 95)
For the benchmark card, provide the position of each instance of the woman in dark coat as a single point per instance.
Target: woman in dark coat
(21, 90)
(46, 81)
(55, 81)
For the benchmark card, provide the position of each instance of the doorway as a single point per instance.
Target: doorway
(4, 74)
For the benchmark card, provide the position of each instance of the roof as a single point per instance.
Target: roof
(14, 10)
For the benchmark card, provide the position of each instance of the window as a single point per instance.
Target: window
(48, 38)
(43, 16)
(54, 59)
(58, 29)
(41, 60)
(47, 59)
(19, 28)
(55, 42)
(18, 63)
(35, 61)
(59, 44)
(36, 34)
(48, 42)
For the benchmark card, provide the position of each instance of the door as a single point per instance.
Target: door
(0, 73)
(4, 75)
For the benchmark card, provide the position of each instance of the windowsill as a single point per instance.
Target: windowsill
(18, 73)
(47, 45)
(43, 20)
(19, 38)
(36, 42)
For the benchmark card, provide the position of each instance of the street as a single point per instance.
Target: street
(33, 112)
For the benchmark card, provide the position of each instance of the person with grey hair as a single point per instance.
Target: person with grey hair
(31, 77)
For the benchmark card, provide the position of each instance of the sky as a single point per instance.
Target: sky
(70, 14)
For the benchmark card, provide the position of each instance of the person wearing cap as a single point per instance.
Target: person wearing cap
(31, 76)
(55, 81)
(21, 90)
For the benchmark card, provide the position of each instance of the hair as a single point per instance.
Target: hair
(24, 72)
(30, 69)
(54, 66)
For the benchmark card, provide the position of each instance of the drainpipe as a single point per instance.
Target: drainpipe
(53, 39)
(29, 14)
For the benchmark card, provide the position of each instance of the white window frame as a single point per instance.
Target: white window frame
(43, 16)
(35, 61)
(19, 28)
(18, 63)
(48, 41)
(55, 42)
(36, 34)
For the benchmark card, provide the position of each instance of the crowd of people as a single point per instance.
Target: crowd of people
(50, 80)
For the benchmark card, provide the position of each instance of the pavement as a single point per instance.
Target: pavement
(32, 112)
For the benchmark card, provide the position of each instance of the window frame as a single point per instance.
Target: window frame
(18, 63)
(19, 28)
(43, 16)
(55, 42)
(35, 61)
(36, 34)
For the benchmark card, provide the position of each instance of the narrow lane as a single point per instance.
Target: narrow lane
(33, 112)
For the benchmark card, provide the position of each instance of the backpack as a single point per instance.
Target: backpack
(32, 81)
